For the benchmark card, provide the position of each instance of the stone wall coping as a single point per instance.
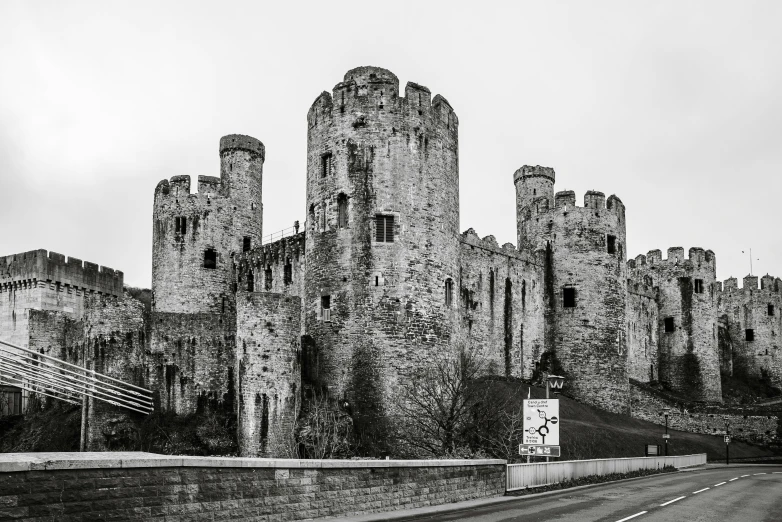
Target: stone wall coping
(14, 462)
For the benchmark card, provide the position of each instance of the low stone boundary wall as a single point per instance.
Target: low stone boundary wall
(145, 486)
(749, 428)
(521, 476)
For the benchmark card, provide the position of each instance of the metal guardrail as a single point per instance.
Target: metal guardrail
(520, 476)
(276, 236)
(55, 378)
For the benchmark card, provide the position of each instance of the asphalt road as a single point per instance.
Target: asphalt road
(726, 494)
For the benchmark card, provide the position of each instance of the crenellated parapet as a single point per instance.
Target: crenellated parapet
(470, 239)
(34, 266)
(274, 267)
(648, 269)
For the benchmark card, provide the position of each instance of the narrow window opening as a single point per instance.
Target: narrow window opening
(749, 334)
(569, 297)
(377, 280)
(448, 292)
(210, 258)
(611, 244)
(180, 225)
(491, 292)
(698, 288)
(669, 326)
(534, 192)
(770, 309)
(325, 306)
(325, 164)
(250, 282)
(342, 211)
(246, 243)
(267, 278)
(287, 275)
(384, 228)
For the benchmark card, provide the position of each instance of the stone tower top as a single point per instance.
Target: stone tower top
(242, 142)
(528, 171)
(370, 74)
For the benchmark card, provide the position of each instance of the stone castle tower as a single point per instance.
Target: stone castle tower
(585, 283)
(382, 233)
(195, 239)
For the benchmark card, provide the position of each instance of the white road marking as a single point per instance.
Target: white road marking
(735, 478)
(759, 473)
(721, 483)
(775, 472)
(744, 476)
(632, 516)
(672, 501)
(700, 491)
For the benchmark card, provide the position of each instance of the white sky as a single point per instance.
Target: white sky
(673, 106)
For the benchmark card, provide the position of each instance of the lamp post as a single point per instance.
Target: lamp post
(727, 443)
(556, 382)
(666, 411)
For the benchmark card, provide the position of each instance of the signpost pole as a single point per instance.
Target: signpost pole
(547, 386)
(727, 453)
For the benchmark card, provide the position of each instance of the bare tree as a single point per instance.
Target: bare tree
(436, 407)
(324, 430)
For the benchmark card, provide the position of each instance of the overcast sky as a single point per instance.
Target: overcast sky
(675, 107)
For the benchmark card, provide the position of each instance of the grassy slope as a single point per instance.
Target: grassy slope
(587, 432)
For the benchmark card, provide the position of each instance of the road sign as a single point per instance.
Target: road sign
(653, 450)
(539, 451)
(666, 435)
(727, 439)
(541, 422)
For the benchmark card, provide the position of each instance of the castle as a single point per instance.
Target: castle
(380, 282)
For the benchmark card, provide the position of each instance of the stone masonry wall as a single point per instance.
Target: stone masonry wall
(643, 318)
(193, 488)
(501, 305)
(585, 285)
(268, 372)
(275, 267)
(759, 310)
(648, 406)
(688, 359)
(391, 163)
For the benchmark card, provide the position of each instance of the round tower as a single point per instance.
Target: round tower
(534, 187)
(194, 239)
(382, 234)
(585, 288)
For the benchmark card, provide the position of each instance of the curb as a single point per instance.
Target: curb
(469, 505)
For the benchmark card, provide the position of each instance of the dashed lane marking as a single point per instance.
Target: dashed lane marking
(672, 501)
(721, 483)
(700, 491)
(735, 478)
(632, 516)
(744, 476)
(759, 473)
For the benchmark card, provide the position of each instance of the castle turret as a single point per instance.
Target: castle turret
(382, 234)
(585, 286)
(195, 239)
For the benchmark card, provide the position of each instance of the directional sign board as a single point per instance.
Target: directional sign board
(539, 451)
(666, 435)
(727, 439)
(541, 422)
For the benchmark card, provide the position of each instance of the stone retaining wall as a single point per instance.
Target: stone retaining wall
(144, 486)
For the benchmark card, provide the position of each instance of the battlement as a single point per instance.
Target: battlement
(528, 171)
(470, 238)
(40, 265)
(208, 184)
(367, 89)
(768, 284)
(272, 253)
(566, 200)
(242, 142)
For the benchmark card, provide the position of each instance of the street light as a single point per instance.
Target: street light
(554, 381)
(666, 412)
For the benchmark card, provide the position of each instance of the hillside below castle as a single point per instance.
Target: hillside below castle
(379, 281)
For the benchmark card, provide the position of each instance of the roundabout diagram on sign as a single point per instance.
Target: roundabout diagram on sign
(544, 429)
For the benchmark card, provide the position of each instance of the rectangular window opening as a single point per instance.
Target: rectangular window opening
(669, 326)
(698, 286)
(325, 165)
(325, 307)
(448, 292)
(569, 297)
(384, 228)
(246, 243)
(749, 334)
(210, 258)
(180, 225)
(611, 244)
(287, 275)
(770, 309)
